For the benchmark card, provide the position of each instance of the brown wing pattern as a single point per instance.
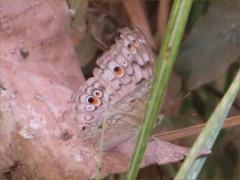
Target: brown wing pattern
(117, 91)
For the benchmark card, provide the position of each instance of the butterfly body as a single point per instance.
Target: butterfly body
(117, 92)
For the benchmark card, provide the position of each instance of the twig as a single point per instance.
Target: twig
(193, 130)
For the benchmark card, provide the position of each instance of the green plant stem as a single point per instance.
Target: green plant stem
(193, 164)
(171, 42)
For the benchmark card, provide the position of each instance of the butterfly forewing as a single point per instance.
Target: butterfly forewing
(117, 92)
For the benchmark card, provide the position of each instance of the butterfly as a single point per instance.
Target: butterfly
(117, 92)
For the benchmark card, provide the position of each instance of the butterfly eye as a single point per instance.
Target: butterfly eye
(119, 72)
(93, 100)
(97, 93)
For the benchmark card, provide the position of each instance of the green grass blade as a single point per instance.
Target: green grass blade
(171, 42)
(193, 164)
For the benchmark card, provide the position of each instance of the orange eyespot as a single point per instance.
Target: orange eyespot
(93, 100)
(131, 48)
(118, 71)
(97, 93)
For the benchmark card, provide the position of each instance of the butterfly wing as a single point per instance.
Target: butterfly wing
(117, 92)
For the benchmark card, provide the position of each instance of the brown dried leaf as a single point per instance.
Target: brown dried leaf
(158, 152)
